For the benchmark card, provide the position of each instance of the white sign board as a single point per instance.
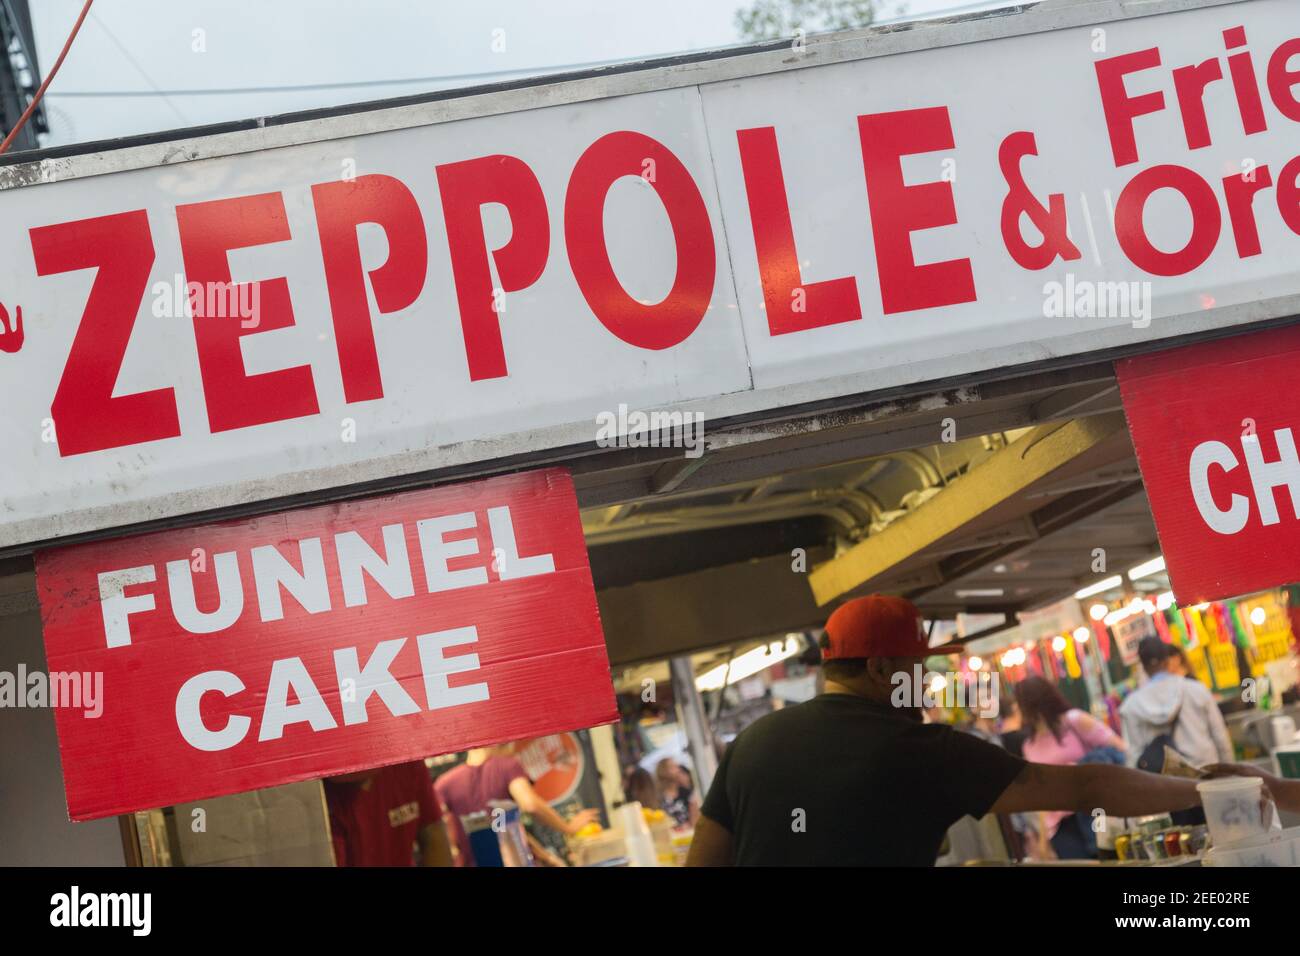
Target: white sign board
(402, 290)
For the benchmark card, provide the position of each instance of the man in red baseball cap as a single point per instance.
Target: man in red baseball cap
(856, 777)
(879, 626)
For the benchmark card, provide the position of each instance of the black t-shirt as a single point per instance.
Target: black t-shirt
(1014, 741)
(839, 780)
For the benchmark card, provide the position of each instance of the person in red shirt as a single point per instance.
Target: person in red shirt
(378, 816)
(494, 773)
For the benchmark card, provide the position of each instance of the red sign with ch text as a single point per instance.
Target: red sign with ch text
(316, 642)
(1213, 427)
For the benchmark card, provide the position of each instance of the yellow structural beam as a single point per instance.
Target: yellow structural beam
(1006, 473)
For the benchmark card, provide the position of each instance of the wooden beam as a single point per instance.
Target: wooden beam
(706, 609)
(1005, 474)
(669, 477)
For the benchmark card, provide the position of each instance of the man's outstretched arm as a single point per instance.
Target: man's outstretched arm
(1119, 791)
(711, 845)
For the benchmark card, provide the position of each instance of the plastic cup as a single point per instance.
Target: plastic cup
(1275, 848)
(1232, 808)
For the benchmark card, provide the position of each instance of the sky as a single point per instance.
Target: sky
(164, 50)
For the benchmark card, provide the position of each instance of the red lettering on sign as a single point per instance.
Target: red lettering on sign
(235, 399)
(1131, 231)
(828, 302)
(1288, 195)
(465, 188)
(1282, 82)
(340, 208)
(1239, 192)
(898, 210)
(87, 416)
(1190, 82)
(661, 325)
(11, 338)
(1244, 86)
(1051, 221)
(1120, 108)
(1189, 85)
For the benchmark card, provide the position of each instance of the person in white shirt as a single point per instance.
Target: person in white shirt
(1169, 704)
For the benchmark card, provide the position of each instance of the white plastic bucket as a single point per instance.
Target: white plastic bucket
(1232, 808)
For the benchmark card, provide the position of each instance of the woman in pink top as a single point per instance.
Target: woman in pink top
(1061, 734)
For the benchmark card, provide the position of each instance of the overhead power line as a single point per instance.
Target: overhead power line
(344, 84)
(978, 5)
(130, 58)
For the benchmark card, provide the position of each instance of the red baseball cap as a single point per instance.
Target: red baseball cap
(879, 626)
